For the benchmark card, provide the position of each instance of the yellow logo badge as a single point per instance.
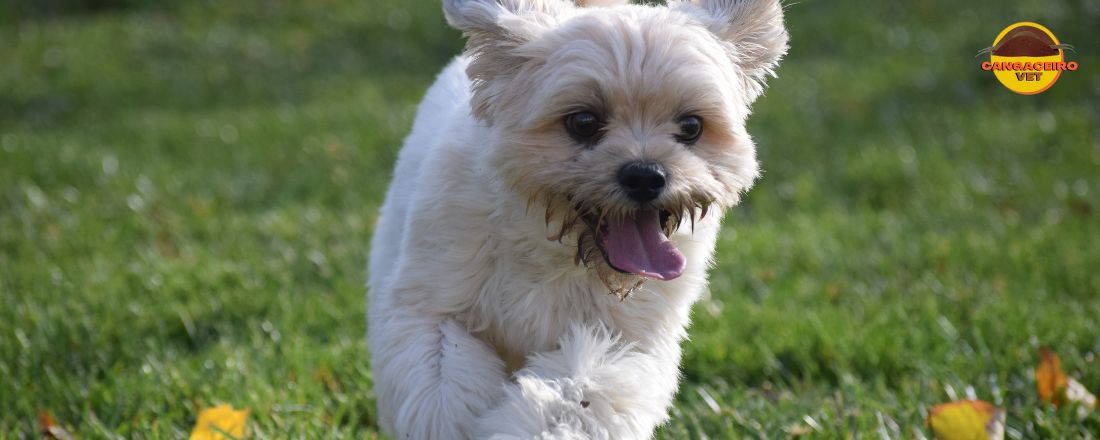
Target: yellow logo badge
(1027, 58)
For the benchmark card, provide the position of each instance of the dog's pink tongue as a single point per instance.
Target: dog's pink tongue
(637, 245)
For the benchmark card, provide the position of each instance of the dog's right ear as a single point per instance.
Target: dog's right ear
(495, 30)
(754, 31)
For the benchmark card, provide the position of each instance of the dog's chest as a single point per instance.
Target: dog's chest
(524, 308)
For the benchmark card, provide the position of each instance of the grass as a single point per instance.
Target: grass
(187, 192)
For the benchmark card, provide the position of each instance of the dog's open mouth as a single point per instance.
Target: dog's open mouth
(637, 243)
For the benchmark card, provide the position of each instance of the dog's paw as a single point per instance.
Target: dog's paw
(536, 408)
(594, 386)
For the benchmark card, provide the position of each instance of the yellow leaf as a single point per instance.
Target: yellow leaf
(967, 420)
(221, 422)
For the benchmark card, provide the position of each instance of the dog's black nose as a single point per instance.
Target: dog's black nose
(642, 181)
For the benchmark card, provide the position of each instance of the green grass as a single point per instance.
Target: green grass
(187, 192)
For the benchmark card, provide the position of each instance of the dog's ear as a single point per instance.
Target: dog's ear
(495, 30)
(754, 31)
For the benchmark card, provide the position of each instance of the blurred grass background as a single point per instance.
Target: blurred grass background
(187, 190)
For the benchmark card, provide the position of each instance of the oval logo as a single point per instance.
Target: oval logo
(1027, 58)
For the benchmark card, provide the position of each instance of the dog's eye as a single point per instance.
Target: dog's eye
(584, 127)
(691, 127)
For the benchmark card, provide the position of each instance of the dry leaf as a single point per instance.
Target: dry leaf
(967, 420)
(50, 428)
(221, 422)
(1050, 381)
(1055, 387)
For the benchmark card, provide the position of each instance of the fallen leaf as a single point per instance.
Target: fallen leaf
(967, 420)
(1050, 380)
(1055, 387)
(50, 428)
(221, 422)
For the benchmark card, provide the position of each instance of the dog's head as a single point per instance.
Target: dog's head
(625, 122)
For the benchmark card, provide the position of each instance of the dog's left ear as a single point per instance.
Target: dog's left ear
(499, 17)
(754, 31)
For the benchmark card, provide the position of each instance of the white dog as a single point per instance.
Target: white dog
(573, 151)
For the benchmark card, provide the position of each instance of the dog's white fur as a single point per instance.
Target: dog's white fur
(481, 327)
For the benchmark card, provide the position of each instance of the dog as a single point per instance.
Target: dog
(554, 211)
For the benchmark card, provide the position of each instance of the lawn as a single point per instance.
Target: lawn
(187, 191)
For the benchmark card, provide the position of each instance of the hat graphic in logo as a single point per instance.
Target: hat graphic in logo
(1027, 58)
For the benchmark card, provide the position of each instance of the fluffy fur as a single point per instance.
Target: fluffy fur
(489, 308)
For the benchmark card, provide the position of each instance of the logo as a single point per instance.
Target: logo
(1027, 58)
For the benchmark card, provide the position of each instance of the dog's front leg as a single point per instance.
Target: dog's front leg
(434, 377)
(592, 387)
